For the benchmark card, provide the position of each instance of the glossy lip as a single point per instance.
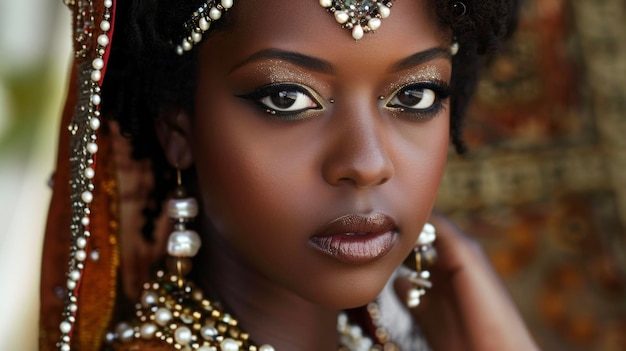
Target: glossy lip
(356, 239)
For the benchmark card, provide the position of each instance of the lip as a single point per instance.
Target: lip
(356, 239)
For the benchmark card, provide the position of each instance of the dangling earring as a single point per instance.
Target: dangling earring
(183, 243)
(423, 257)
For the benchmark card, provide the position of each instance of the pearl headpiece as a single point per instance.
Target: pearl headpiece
(200, 22)
(359, 16)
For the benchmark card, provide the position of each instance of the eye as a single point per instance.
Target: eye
(419, 97)
(284, 99)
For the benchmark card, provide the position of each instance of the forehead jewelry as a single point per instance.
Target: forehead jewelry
(359, 16)
(200, 22)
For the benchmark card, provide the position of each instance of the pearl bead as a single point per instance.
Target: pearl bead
(182, 335)
(85, 221)
(87, 197)
(357, 32)
(80, 255)
(341, 17)
(92, 148)
(147, 330)
(81, 243)
(65, 347)
(108, 3)
(215, 13)
(96, 75)
(206, 348)
(208, 332)
(71, 285)
(266, 348)
(95, 255)
(65, 327)
(326, 3)
(75, 275)
(105, 26)
(89, 173)
(103, 40)
(229, 345)
(227, 4)
(163, 316)
(149, 299)
(196, 37)
(454, 49)
(124, 332)
(187, 45)
(383, 10)
(72, 307)
(96, 99)
(179, 50)
(183, 243)
(204, 24)
(94, 123)
(97, 63)
(374, 23)
(182, 208)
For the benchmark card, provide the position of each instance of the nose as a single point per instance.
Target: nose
(358, 153)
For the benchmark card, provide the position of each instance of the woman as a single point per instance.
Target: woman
(315, 152)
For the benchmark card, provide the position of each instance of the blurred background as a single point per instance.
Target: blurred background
(543, 186)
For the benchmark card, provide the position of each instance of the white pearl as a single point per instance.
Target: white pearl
(149, 299)
(208, 332)
(92, 148)
(65, 327)
(454, 49)
(182, 335)
(163, 316)
(187, 45)
(94, 123)
(124, 332)
(357, 32)
(65, 347)
(229, 345)
(266, 347)
(85, 221)
(96, 99)
(383, 10)
(87, 197)
(95, 255)
(80, 255)
(105, 25)
(426, 238)
(147, 330)
(103, 40)
(425, 274)
(96, 75)
(429, 228)
(182, 208)
(97, 63)
(179, 50)
(89, 173)
(215, 13)
(108, 3)
(227, 4)
(374, 23)
(74, 275)
(183, 243)
(341, 17)
(206, 348)
(81, 243)
(196, 37)
(326, 3)
(204, 24)
(71, 285)
(72, 307)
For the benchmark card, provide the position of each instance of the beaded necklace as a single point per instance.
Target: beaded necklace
(177, 312)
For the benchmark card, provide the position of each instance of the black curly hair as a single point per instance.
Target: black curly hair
(145, 75)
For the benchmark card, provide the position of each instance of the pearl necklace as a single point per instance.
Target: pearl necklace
(177, 313)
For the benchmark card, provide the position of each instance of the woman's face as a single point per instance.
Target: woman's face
(319, 157)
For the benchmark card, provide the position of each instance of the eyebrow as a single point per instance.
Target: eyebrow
(304, 61)
(319, 65)
(421, 58)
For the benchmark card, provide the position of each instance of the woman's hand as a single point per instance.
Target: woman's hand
(467, 308)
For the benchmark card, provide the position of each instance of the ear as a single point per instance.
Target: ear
(173, 129)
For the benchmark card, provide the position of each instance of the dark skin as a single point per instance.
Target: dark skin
(268, 182)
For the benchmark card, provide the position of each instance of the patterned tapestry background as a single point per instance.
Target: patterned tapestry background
(543, 187)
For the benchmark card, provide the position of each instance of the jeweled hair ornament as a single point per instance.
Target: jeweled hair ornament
(200, 22)
(359, 16)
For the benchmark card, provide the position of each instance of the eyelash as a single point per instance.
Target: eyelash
(262, 97)
(441, 91)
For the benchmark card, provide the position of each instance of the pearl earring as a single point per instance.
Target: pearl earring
(423, 257)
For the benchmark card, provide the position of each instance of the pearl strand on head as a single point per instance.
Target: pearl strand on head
(84, 147)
